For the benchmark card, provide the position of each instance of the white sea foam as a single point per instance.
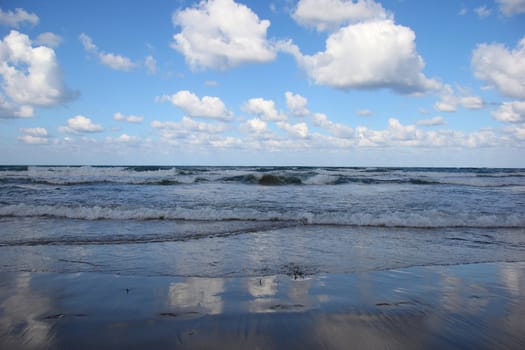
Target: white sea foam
(321, 179)
(423, 219)
(286, 176)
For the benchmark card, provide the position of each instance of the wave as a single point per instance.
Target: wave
(135, 239)
(425, 219)
(266, 179)
(269, 176)
(13, 168)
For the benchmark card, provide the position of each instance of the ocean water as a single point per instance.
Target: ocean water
(217, 222)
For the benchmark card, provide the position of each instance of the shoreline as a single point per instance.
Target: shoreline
(478, 306)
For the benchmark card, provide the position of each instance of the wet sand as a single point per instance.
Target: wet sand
(476, 306)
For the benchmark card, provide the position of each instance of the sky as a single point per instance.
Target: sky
(279, 82)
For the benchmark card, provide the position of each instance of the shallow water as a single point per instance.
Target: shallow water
(245, 257)
(248, 221)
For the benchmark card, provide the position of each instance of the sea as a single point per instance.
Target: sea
(217, 222)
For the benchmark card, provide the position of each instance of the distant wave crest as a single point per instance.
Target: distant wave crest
(166, 176)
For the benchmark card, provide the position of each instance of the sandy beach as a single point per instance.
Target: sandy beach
(475, 306)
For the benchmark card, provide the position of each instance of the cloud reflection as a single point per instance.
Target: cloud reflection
(199, 294)
(22, 314)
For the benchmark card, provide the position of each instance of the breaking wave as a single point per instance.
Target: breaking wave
(430, 218)
(167, 176)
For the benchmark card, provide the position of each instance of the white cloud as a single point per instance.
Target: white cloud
(511, 7)
(31, 77)
(511, 112)
(33, 140)
(471, 102)
(187, 127)
(439, 120)
(49, 39)
(296, 104)
(18, 17)
(126, 138)
(9, 109)
(398, 131)
(87, 43)
(364, 112)
(80, 124)
(330, 14)
(336, 129)
(295, 130)
(128, 118)
(255, 126)
(369, 55)
(449, 101)
(221, 34)
(482, 11)
(151, 64)
(205, 107)
(114, 61)
(401, 135)
(34, 135)
(501, 67)
(42, 132)
(265, 109)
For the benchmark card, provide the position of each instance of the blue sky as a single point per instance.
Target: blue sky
(223, 82)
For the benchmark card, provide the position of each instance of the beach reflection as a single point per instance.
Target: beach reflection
(22, 317)
(279, 294)
(262, 287)
(479, 306)
(514, 281)
(201, 295)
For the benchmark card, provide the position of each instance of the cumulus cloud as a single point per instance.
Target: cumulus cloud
(501, 67)
(48, 39)
(331, 14)
(128, 118)
(336, 129)
(439, 120)
(511, 7)
(254, 126)
(449, 101)
(31, 77)
(187, 127)
(265, 109)
(221, 34)
(80, 124)
(17, 17)
(295, 130)
(511, 112)
(205, 107)
(296, 104)
(34, 136)
(114, 61)
(9, 109)
(369, 55)
(398, 134)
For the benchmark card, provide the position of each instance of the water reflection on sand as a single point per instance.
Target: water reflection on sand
(470, 306)
(21, 310)
(201, 295)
